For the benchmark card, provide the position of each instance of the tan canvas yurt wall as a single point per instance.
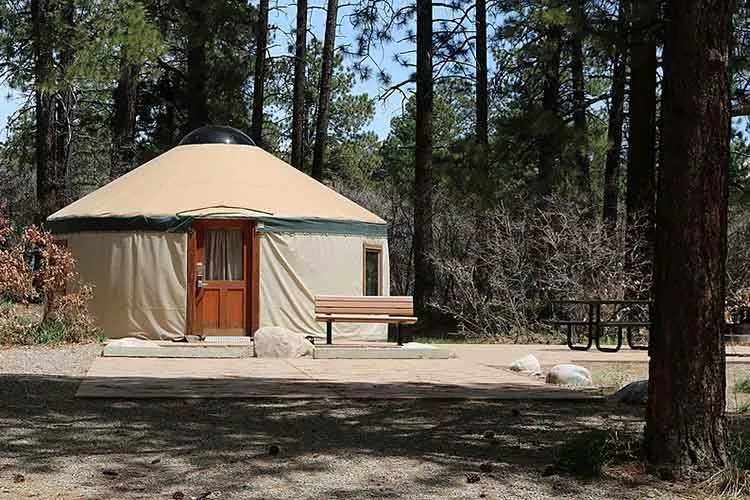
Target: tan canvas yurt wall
(295, 267)
(139, 279)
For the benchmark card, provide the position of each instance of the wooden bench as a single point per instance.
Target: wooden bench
(347, 309)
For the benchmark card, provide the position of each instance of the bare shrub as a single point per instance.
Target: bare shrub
(65, 316)
(528, 256)
(738, 267)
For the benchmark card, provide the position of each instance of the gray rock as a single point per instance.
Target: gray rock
(569, 375)
(277, 342)
(635, 393)
(526, 364)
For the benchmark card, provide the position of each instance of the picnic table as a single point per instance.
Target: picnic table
(630, 316)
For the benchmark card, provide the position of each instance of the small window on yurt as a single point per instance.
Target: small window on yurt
(372, 269)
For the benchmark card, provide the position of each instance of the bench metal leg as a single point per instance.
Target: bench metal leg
(398, 334)
(329, 332)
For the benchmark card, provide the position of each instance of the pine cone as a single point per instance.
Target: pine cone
(472, 477)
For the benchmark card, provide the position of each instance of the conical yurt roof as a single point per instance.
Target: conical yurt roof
(211, 180)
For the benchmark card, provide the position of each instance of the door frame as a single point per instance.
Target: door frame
(252, 272)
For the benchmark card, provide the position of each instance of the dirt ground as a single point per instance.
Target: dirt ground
(68, 448)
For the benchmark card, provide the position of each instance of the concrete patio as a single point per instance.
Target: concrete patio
(476, 372)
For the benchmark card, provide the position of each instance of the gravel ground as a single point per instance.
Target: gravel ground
(67, 448)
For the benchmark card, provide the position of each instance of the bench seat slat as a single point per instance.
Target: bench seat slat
(366, 309)
(354, 318)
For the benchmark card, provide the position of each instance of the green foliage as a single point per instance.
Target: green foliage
(742, 386)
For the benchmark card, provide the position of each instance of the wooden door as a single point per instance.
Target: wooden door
(222, 272)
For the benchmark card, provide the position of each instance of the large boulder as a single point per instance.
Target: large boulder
(526, 364)
(635, 393)
(277, 342)
(569, 375)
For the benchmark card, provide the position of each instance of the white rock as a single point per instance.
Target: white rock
(417, 345)
(132, 342)
(277, 342)
(526, 364)
(635, 393)
(569, 375)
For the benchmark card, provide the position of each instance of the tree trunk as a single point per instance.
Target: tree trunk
(197, 70)
(641, 175)
(482, 132)
(324, 96)
(686, 427)
(547, 136)
(614, 127)
(423, 269)
(260, 73)
(583, 169)
(298, 98)
(123, 125)
(44, 110)
(64, 110)
(486, 183)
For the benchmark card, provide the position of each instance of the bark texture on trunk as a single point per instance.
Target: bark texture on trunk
(423, 269)
(583, 168)
(547, 137)
(641, 175)
(123, 125)
(686, 427)
(197, 65)
(614, 127)
(298, 98)
(44, 106)
(260, 73)
(324, 95)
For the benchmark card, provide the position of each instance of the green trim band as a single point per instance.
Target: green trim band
(322, 226)
(183, 224)
(136, 223)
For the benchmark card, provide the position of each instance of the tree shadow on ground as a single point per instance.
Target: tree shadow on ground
(154, 443)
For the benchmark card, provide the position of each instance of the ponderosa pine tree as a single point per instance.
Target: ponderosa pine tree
(686, 426)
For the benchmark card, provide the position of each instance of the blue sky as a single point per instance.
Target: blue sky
(284, 18)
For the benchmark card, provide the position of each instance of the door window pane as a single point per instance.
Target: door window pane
(372, 272)
(223, 255)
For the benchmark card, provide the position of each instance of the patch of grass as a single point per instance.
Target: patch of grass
(742, 386)
(583, 455)
(450, 340)
(51, 333)
(23, 326)
(734, 480)
(586, 454)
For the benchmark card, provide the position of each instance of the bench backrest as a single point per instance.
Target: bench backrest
(383, 306)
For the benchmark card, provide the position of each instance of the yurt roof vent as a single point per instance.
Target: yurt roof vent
(217, 134)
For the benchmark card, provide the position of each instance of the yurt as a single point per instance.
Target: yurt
(218, 237)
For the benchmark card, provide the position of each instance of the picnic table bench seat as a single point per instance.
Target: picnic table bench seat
(397, 310)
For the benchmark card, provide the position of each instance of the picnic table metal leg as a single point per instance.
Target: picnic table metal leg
(329, 332)
(398, 334)
(590, 335)
(599, 332)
